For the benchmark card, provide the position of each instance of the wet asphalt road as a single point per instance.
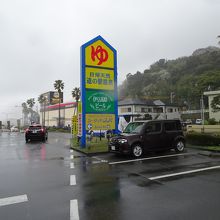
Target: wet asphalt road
(103, 190)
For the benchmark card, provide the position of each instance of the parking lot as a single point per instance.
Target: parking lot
(51, 181)
(160, 186)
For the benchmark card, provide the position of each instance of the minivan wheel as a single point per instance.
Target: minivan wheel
(137, 150)
(179, 146)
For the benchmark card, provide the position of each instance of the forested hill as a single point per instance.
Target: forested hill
(185, 77)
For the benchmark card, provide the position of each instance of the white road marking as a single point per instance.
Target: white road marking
(13, 200)
(150, 158)
(71, 151)
(71, 165)
(71, 157)
(183, 173)
(72, 180)
(97, 158)
(74, 211)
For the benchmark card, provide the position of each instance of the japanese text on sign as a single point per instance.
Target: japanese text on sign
(101, 121)
(99, 79)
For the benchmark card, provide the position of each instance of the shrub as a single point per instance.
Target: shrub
(203, 139)
(212, 121)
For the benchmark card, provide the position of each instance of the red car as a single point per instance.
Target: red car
(36, 132)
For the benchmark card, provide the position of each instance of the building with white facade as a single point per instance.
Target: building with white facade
(136, 109)
(51, 114)
(211, 95)
(128, 110)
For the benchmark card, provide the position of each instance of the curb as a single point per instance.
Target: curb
(88, 154)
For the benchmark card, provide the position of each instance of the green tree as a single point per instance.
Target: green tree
(59, 86)
(76, 95)
(42, 100)
(215, 104)
(31, 102)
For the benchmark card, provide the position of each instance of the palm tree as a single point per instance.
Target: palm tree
(76, 95)
(31, 103)
(59, 86)
(25, 112)
(42, 100)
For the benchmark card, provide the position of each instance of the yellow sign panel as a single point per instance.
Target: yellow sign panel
(100, 121)
(74, 125)
(79, 107)
(99, 54)
(99, 78)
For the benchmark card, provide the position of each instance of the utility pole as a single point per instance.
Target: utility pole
(202, 109)
(171, 97)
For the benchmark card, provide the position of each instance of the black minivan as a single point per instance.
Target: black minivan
(155, 135)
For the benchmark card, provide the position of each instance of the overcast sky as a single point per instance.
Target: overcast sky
(40, 39)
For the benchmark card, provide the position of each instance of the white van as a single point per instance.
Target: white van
(198, 121)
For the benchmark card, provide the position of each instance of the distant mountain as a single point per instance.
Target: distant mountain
(205, 50)
(186, 78)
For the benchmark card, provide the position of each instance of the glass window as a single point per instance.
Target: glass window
(172, 126)
(153, 127)
(132, 127)
(124, 110)
(170, 110)
(158, 110)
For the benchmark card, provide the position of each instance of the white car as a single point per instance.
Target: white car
(198, 121)
(14, 129)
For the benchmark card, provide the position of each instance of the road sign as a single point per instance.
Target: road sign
(99, 102)
(98, 86)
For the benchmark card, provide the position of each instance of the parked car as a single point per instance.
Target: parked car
(36, 132)
(198, 121)
(154, 135)
(14, 129)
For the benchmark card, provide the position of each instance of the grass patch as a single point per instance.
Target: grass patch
(214, 148)
(209, 148)
(94, 146)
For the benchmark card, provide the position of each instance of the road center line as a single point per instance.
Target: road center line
(13, 200)
(71, 156)
(71, 165)
(183, 173)
(71, 151)
(72, 180)
(150, 158)
(74, 211)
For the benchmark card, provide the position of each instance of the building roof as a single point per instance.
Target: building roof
(135, 101)
(62, 105)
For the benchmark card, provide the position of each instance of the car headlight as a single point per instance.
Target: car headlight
(122, 141)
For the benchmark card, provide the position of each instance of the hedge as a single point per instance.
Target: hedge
(203, 139)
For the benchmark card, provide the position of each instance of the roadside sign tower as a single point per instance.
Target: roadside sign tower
(98, 87)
